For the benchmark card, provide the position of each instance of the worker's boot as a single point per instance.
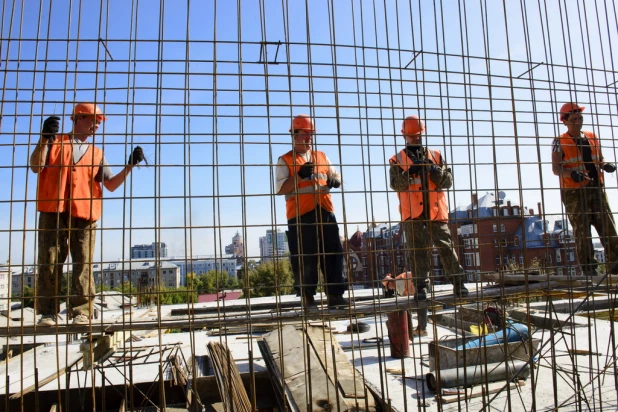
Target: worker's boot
(459, 289)
(308, 301)
(613, 270)
(336, 301)
(418, 333)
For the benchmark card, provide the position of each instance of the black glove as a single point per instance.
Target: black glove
(333, 183)
(51, 125)
(435, 173)
(418, 166)
(578, 177)
(609, 167)
(306, 170)
(136, 157)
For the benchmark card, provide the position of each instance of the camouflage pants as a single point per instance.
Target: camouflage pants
(588, 207)
(60, 233)
(420, 236)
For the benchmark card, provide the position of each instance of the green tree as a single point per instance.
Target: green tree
(272, 278)
(26, 297)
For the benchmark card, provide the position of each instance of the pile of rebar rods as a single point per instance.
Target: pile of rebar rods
(233, 394)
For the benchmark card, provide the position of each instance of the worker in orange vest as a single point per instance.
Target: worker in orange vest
(578, 162)
(69, 200)
(420, 176)
(306, 177)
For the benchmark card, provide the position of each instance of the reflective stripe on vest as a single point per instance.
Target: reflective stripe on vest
(308, 192)
(573, 159)
(411, 200)
(85, 194)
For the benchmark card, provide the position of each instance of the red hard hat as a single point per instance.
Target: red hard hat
(88, 108)
(412, 125)
(569, 108)
(302, 122)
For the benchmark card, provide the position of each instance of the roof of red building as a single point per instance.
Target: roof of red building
(213, 297)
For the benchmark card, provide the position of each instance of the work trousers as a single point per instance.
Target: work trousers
(421, 236)
(314, 242)
(59, 234)
(587, 207)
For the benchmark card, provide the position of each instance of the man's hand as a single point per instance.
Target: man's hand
(51, 126)
(136, 157)
(306, 170)
(417, 166)
(578, 177)
(436, 173)
(333, 183)
(609, 167)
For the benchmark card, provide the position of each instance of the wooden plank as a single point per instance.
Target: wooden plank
(349, 379)
(292, 316)
(478, 391)
(288, 345)
(520, 278)
(45, 381)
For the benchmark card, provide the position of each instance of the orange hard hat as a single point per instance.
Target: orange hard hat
(569, 108)
(88, 108)
(412, 125)
(302, 122)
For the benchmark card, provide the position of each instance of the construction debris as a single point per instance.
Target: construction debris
(231, 388)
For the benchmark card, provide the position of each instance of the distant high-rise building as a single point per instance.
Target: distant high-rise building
(272, 245)
(236, 248)
(151, 251)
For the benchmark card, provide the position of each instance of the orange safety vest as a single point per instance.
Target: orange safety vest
(63, 184)
(404, 283)
(308, 192)
(573, 159)
(411, 200)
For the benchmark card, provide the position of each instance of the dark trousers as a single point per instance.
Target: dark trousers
(314, 242)
(60, 233)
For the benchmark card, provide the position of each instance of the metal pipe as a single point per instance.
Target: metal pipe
(477, 374)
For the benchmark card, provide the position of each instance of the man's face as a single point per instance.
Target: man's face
(576, 118)
(86, 125)
(413, 139)
(303, 140)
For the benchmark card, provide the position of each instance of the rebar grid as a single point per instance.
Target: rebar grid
(209, 90)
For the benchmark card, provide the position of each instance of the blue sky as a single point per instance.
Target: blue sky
(199, 121)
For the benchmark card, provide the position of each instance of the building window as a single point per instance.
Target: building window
(516, 241)
(559, 271)
(502, 229)
(571, 271)
(495, 211)
(504, 242)
(549, 259)
(498, 260)
(495, 242)
(469, 259)
(571, 257)
(521, 259)
(558, 256)
(495, 228)
(467, 243)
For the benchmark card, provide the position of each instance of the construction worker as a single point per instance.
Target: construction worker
(306, 177)
(69, 198)
(420, 176)
(578, 162)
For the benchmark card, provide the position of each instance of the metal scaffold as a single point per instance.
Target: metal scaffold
(308, 205)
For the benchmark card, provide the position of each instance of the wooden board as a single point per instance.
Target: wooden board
(348, 379)
(302, 372)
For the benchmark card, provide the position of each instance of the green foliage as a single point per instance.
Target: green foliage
(271, 279)
(211, 282)
(127, 288)
(27, 297)
(101, 287)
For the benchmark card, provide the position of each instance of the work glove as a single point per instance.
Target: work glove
(417, 166)
(333, 183)
(577, 176)
(306, 170)
(436, 173)
(609, 167)
(136, 157)
(51, 126)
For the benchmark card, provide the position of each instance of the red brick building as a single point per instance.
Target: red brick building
(489, 236)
